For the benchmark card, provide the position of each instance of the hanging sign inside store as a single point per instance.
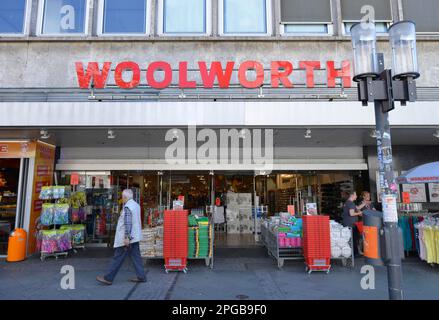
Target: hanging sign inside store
(74, 179)
(129, 75)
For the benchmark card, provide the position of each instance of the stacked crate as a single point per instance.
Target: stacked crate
(199, 237)
(317, 243)
(175, 242)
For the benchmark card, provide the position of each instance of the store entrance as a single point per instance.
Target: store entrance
(9, 181)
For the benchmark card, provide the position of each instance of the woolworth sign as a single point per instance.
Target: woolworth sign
(209, 75)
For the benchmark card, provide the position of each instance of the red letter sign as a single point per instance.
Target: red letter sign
(127, 65)
(159, 65)
(344, 73)
(183, 81)
(216, 71)
(242, 74)
(309, 67)
(93, 72)
(281, 76)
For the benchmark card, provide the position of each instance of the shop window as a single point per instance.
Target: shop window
(306, 17)
(381, 14)
(248, 17)
(184, 17)
(12, 17)
(425, 16)
(124, 17)
(66, 17)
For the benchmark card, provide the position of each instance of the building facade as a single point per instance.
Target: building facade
(281, 66)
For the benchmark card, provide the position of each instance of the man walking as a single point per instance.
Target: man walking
(126, 242)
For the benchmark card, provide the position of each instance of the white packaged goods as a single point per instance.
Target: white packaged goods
(346, 233)
(218, 215)
(340, 240)
(232, 198)
(244, 198)
(346, 252)
(258, 225)
(233, 228)
(335, 252)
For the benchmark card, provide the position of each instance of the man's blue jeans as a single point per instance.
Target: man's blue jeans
(119, 257)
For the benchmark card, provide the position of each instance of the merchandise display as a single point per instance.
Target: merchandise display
(61, 209)
(61, 214)
(282, 236)
(151, 245)
(239, 213)
(317, 243)
(341, 242)
(77, 233)
(429, 240)
(54, 241)
(410, 233)
(47, 214)
(199, 237)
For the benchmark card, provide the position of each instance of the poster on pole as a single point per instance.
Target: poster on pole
(433, 191)
(378, 185)
(390, 209)
(417, 192)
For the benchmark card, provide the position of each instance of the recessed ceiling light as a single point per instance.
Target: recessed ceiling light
(111, 134)
(44, 134)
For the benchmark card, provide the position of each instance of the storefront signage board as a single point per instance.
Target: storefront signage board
(43, 176)
(14, 150)
(130, 74)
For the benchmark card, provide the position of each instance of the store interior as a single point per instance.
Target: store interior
(156, 191)
(9, 177)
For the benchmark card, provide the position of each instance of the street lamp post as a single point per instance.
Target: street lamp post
(384, 87)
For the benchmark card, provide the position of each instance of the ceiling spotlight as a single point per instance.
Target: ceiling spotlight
(308, 134)
(436, 134)
(373, 134)
(182, 95)
(111, 134)
(44, 134)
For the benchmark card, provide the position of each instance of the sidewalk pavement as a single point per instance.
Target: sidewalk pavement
(237, 274)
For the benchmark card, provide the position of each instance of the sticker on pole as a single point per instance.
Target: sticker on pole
(390, 210)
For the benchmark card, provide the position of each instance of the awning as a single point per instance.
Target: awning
(426, 173)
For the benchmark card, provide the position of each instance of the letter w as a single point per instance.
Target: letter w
(216, 71)
(98, 77)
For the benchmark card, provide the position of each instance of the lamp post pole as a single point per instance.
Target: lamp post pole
(388, 193)
(380, 86)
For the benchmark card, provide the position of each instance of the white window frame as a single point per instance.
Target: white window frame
(269, 19)
(161, 18)
(26, 23)
(41, 5)
(347, 34)
(100, 22)
(330, 32)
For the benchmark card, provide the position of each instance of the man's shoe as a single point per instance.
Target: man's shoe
(102, 280)
(137, 280)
